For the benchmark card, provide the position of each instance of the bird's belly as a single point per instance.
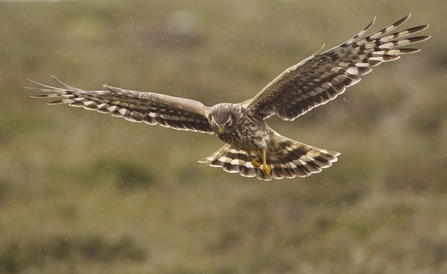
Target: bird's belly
(252, 140)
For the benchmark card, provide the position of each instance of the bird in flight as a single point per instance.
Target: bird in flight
(252, 148)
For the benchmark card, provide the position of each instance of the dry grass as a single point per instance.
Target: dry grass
(82, 192)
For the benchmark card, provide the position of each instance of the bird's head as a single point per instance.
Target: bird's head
(222, 118)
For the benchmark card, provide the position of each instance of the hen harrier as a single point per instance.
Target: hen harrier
(252, 148)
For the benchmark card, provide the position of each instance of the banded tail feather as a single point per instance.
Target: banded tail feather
(288, 159)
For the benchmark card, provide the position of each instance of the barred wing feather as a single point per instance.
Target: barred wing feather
(321, 77)
(151, 108)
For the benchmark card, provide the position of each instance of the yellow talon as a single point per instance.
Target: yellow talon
(264, 162)
(255, 162)
(265, 169)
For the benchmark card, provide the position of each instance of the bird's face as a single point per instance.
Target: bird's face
(221, 125)
(222, 120)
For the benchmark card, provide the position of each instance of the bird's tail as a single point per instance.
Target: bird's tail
(286, 158)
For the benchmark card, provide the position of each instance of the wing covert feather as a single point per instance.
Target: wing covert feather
(151, 108)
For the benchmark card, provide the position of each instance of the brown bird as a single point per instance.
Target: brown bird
(252, 148)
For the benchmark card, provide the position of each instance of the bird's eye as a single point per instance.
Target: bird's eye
(229, 122)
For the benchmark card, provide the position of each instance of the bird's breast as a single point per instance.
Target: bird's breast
(248, 135)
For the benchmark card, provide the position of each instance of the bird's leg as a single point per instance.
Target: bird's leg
(264, 162)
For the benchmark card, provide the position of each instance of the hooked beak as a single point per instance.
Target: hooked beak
(221, 130)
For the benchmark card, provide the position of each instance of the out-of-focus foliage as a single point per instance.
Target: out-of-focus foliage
(82, 192)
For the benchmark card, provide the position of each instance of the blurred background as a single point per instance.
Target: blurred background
(82, 192)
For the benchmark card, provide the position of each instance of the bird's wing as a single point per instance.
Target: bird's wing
(151, 108)
(323, 76)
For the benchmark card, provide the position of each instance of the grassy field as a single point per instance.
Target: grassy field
(82, 192)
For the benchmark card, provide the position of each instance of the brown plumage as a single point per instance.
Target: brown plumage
(252, 148)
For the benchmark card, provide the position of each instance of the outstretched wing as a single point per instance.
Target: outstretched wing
(151, 108)
(321, 77)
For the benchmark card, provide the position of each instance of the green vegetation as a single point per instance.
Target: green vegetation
(82, 192)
